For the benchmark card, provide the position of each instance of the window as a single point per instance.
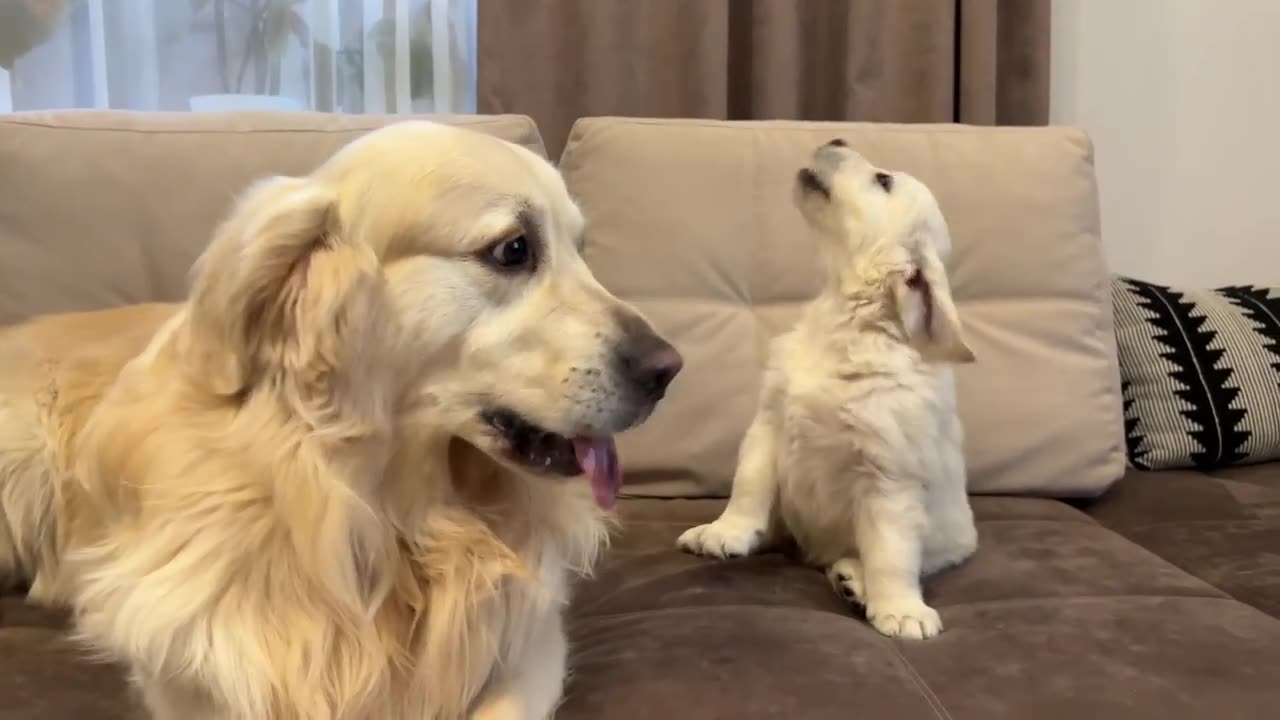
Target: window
(355, 56)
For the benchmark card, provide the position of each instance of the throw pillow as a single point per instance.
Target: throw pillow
(1200, 373)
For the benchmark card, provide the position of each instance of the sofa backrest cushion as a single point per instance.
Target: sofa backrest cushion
(101, 208)
(693, 222)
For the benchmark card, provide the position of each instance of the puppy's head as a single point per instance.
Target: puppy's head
(884, 231)
(444, 265)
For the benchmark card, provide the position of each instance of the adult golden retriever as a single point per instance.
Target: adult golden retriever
(334, 483)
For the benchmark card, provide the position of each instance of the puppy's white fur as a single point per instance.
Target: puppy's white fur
(856, 447)
(279, 500)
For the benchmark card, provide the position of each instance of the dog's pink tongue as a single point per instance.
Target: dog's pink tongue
(599, 460)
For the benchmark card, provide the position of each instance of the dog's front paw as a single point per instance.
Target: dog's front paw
(846, 577)
(907, 618)
(724, 538)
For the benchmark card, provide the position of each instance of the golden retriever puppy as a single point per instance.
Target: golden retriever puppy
(338, 482)
(856, 447)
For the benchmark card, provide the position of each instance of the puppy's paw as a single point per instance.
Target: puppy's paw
(846, 577)
(724, 538)
(906, 618)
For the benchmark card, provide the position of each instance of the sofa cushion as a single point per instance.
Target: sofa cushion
(1055, 616)
(1199, 372)
(693, 222)
(1223, 527)
(109, 208)
(45, 676)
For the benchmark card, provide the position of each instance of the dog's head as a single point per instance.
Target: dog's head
(444, 266)
(884, 230)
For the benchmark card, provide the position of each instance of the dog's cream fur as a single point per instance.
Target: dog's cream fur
(856, 447)
(278, 500)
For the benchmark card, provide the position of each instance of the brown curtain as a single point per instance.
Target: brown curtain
(972, 61)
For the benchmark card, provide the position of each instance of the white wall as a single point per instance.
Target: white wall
(1182, 99)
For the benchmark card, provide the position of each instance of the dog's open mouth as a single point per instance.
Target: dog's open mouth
(555, 454)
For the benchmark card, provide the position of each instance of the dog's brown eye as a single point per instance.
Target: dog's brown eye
(885, 181)
(512, 254)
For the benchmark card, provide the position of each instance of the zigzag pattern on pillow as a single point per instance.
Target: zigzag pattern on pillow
(1200, 373)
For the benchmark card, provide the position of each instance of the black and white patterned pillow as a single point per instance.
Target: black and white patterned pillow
(1200, 373)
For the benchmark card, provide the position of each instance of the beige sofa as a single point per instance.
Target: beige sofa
(1096, 593)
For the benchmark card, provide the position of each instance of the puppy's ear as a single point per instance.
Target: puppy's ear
(926, 310)
(281, 294)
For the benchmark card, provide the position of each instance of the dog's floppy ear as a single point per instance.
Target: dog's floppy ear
(927, 312)
(280, 291)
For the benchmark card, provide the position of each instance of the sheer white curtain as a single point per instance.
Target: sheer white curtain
(358, 56)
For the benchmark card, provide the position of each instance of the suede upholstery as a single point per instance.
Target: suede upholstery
(1222, 527)
(1160, 599)
(1056, 617)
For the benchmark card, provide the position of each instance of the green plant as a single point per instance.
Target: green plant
(271, 23)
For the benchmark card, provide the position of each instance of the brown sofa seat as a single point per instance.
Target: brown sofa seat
(45, 676)
(1055, 617)
(1223, 527)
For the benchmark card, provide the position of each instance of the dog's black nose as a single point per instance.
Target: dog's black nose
(654, 371)
(838, 143)
(647, 361)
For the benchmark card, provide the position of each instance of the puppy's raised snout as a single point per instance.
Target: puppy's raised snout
(647, 361)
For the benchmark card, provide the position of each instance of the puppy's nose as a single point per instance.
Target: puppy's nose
(837, 142)
(647, 361)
